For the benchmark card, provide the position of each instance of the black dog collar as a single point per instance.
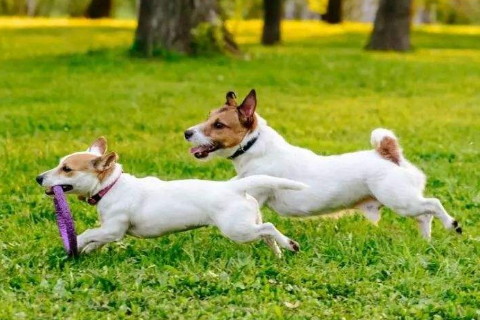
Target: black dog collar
(244, 148)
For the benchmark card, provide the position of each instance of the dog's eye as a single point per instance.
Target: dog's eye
(66, 169)
(218, 125)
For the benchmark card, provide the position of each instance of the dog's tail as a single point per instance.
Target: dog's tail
(386, 144)
(264, 182)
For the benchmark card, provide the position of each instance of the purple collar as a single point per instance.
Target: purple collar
(93, 200)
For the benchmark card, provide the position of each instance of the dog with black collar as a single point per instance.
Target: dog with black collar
(365, 180)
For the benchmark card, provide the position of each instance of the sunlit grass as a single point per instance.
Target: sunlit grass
(22, 22)
(249, 31)
(443, 29)
(65, 82)
(245, 31)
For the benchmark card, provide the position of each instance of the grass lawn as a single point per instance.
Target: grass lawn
(61, 87)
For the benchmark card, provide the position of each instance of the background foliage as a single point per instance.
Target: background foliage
(446, 11)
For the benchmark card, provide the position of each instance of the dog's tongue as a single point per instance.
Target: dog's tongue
(199, 151)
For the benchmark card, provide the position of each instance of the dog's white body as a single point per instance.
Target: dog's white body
(364, 180)
(149, 207)
(336, 182)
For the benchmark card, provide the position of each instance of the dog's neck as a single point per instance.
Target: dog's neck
(268, 142)
(108, 181)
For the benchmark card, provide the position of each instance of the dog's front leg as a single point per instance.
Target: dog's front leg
(111, 230)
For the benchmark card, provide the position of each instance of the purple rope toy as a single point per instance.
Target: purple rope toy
(65, 222)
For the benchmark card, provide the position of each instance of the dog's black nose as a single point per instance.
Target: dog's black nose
(188, 134)
(39, 179)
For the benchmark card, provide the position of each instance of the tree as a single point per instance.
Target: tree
(182, 26)
(391, 29)
(334, 12)
(99, 9)
(271, 22)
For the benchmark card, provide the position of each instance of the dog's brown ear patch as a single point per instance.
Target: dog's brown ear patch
(105, 162)
(247, 109)
(99, 146)
(231, 99)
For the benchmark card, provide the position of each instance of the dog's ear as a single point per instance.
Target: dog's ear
(247, 108)
(105, 162)
(99, 146)
(231, 99)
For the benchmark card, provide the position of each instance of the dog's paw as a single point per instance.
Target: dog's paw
(278, 255)
(81, 244)
(457, 227)
(90, 247)
(293, 245)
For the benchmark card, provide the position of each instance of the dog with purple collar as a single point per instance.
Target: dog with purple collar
(149, 207)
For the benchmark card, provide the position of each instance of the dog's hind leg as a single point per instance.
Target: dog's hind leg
(435, 207)
(425, 225)
(269, 240)
(239, 222)
(401, 190)
(424, 209)
(268, 229)
(246, 232)
(410, 204)
(430, 206)
(370, 209)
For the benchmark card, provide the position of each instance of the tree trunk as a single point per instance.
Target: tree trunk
(31, 7)
(182, 26)
(391, 29)
(272, 20)
(99, 9)
(334, 12)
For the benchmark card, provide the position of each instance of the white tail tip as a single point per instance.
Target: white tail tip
(378, 135)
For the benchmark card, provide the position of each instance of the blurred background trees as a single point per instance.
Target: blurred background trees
(99, 9)
(391, 30)
(183, 26)
(334, 12)
(424, 11)
(65, 8)
(273, 11)
(197, 26)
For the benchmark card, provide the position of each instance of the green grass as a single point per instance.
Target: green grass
(60, 88)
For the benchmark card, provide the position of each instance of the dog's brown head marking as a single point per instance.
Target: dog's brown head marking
(76, 162)
(225, 127)
(96, 161)
(80, 172)
(228, 125)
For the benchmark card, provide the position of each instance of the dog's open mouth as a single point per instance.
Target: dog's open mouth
(65, 188)
(202, 151)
